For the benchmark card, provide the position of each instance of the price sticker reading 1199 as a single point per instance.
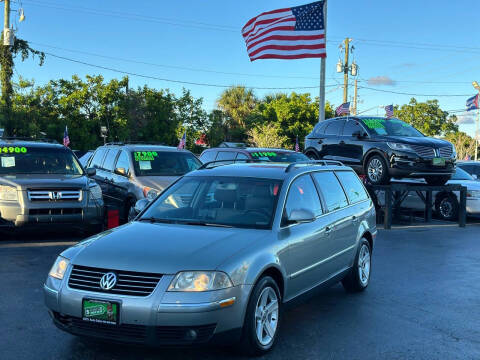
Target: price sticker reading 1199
(13, 150)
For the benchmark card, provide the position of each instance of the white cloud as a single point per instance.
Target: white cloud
(381, 80)
(466, 118)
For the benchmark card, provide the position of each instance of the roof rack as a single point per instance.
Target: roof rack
(25, 138)
(230, 162)
(313, 162)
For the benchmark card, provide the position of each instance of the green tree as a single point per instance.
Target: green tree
(464, 144)
(267, 135)
(427, 117)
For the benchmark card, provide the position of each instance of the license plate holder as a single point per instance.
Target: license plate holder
(438, 162)
(101, 311)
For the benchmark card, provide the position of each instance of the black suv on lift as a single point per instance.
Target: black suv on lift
(382, 148)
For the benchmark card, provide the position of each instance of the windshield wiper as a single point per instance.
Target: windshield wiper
(156, 220)
(203, 223)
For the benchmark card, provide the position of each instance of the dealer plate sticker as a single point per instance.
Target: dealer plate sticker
(438, 161)
(104, 312)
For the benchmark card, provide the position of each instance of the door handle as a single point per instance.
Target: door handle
(328, 229)
(320, 141)
(354, 219)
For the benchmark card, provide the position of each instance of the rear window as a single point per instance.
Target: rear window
(353, 187)
(331, 189)
(226, 155)
(207, 156)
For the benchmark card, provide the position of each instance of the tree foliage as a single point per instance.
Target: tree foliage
(464, 144)
(267, 135)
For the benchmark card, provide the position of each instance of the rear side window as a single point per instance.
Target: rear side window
(353, 187)
(319, 129)
(334, 127)
(331, 189)
(110, 159)
(242, 156)
(208, 156)
(226, 155)
(123, 161)
(303, 195)
(97, 159)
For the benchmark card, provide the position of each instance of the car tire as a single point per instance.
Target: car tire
(447, 207)
(376, 170)
(437, 180)
(358, 278)
(312, 155)
(260, 320)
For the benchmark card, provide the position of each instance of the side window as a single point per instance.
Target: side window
(351, 127)
(123, 161)
(320, 128)
(192, 163)
(207, 156)
(242, 156)
(303, 195)
(97, 159)
(226, 155)
(110, 159)
(331, 189)
(335, 127)
(352, 185)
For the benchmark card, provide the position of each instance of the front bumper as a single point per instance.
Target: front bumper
(405, 164)
(161, 318)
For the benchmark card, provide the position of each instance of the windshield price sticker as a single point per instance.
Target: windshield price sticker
(263, 154)
(145, 155)
(374, 123)
(13, 150)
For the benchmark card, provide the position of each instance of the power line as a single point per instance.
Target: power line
(410, 94)
(178, 81)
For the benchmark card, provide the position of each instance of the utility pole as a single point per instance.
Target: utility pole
(345, 71)
(477, 133)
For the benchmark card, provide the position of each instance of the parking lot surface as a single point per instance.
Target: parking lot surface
(422, 303)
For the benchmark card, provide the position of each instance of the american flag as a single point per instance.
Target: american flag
(183, 141)
(66, 139)
(472, 103)
(343, 109)
(297, 145)
(389, 111)
(289, 33)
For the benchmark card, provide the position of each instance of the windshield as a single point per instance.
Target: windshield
(217, 201)
(461, 174)
(164, 163)
(390, 127)
(38, 160)
(286, 157)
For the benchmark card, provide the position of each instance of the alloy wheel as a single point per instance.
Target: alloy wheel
(364, 265)
(375, 170)
(266, 316)
(446, 208)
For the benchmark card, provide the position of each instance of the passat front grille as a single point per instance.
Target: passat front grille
(446, 151)
(128, 282)
(424, 151)
(54, 195)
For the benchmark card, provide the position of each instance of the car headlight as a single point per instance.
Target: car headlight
(150, 193)
(200, 281)
(95, 192)
(59, 268)
(8, 193)
(399, 146)
(473, 193)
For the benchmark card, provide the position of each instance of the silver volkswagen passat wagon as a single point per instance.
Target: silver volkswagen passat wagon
(216, 255)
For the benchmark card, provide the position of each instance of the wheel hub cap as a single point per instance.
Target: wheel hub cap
(364, 265)
(266, 316)
(375, 170)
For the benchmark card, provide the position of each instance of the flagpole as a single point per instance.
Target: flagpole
(323, 60)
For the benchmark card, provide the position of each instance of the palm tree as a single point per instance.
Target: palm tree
(237, 103)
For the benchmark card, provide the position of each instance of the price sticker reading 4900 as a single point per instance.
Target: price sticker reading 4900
(13, 150)
(145, 155)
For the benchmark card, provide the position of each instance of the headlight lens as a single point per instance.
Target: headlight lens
(150, 193)
(8, 193)
(95, 192)
(200, 281)
(473, 193)
(399, 146)
(59, 268)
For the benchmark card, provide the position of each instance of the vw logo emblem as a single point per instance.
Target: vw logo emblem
(108, 281)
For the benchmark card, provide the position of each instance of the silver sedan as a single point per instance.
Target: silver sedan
(216, 256)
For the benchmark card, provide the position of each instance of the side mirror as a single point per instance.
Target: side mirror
(300, 216)
(91, 172)
(140, 205)
(120, 171)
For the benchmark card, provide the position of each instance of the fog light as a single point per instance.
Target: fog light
(190, 335)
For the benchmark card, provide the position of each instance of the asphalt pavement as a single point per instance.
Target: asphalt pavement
(423, 302)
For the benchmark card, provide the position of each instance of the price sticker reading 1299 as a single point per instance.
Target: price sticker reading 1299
(13, 150)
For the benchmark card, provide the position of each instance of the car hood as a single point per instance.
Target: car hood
(156, 182)
(425, 141)
(163, 248)
(45, 181)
